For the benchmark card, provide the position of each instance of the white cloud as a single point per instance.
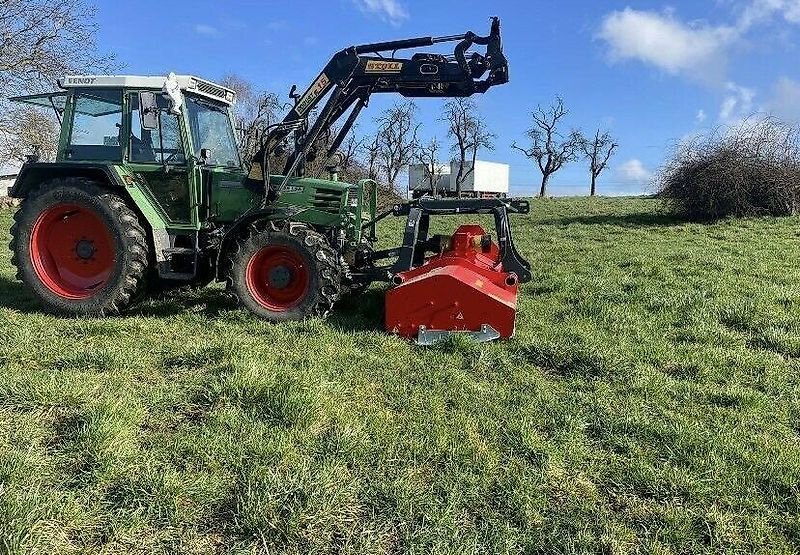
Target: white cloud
(792, 11)
(204, 29)
(659, 39)
(760, 11)
(701, 116)
(634, 172)
(695, 49)
(389, 10)
(785, 99)
(738, 104)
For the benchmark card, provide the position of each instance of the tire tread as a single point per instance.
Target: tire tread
(133, 282)
(329, 275)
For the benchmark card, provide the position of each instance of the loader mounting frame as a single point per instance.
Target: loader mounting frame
(417, 243)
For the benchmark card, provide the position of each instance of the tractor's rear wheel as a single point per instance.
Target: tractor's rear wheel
(79, 248)
(285, 275)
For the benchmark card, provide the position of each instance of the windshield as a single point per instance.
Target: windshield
(211, 129)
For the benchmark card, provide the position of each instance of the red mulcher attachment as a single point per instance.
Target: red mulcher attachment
(470, 283)
(462, 289)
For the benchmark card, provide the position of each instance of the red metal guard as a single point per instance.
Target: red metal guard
(460, 290)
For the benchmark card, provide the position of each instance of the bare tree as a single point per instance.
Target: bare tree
(254, 112)
(598, 150)
(428, 156)
(372, 167)
(469, 134)
(548, 147)
(34, 131)
(43, 40)
(396, 140)
(40, 42)
(372, 150)
(350, 149)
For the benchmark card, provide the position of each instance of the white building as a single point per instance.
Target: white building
(419, 181)
(489, 179)
(8, 173)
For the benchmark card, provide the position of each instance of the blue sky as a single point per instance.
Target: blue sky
(651, 72)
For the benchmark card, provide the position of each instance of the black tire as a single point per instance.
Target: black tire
(320, 267)
(128, 263)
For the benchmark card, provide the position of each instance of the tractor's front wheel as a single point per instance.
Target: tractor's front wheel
(79, 248)
(285, 275)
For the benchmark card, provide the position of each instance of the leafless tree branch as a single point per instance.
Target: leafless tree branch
(548, 147)
(396, 141)
(469, 133)
(428, 156)
(598, 150)
(41, 41)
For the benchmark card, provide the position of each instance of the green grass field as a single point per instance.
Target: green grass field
(649, 402)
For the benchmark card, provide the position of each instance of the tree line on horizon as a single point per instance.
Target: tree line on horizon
(396, 142)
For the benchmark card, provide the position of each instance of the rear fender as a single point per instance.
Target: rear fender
(32, 175)
(114, 178)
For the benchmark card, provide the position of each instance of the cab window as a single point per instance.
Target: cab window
(155, 146)
(211, 129)
(96, 125)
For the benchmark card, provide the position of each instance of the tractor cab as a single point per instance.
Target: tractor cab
(171, 141)
(170, 138)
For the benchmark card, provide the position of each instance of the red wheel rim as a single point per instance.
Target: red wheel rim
(277, 278)
(72, 251)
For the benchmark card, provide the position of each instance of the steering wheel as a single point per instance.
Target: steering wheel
(169, 158)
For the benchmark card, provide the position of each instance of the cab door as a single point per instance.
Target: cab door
(223, 192)
(157, 155)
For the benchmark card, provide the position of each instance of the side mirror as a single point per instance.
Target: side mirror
(148, 104)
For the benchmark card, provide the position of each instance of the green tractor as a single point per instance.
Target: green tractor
(148, 189)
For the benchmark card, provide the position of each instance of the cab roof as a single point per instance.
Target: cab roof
(188, 83)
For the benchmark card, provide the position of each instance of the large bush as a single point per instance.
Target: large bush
(750, 169)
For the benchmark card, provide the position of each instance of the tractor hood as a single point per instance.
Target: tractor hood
(332, 198)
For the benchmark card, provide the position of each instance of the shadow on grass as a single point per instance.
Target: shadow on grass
(15, 296)
(643, 219)
(208, 301)
(362, 312)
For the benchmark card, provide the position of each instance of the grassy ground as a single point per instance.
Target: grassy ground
(650, 402)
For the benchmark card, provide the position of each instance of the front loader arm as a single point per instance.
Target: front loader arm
(354, 74)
